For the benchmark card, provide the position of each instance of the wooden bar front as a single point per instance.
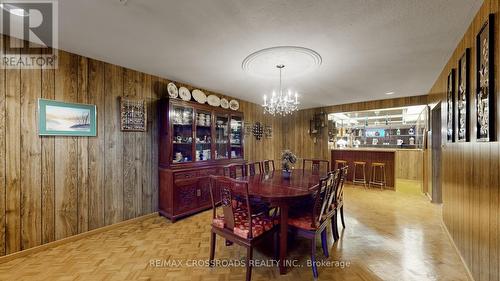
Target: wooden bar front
(369, 156)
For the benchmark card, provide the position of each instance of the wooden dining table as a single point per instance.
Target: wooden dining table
(282, 193)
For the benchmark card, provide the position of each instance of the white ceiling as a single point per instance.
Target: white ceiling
(369, 47)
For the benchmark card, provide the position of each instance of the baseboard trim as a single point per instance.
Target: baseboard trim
(469, 273)
(56, 243)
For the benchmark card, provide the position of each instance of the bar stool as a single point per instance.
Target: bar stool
(378, 178)
(355, 178)
(339, 164)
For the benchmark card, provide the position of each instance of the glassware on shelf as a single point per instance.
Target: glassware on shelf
(236, 137)
(182, 120)
(203, 136)
(221, 136)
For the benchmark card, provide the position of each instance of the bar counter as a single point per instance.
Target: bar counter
(399, 163)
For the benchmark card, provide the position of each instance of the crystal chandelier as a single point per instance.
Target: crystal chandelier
(282, 104)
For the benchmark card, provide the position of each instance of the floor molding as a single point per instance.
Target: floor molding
(73, 238)
(469, 273)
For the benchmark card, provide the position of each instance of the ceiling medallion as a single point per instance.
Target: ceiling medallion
(298, 61)
(281, 103)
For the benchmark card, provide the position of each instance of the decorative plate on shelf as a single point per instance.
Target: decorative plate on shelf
(172, 90)
(224, 103)
(234, 105)
(184, 94)
(213, 100)
(199, 96)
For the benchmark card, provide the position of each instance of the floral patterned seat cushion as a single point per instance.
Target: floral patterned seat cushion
(219, 221)
(260, 224)
(303, 221)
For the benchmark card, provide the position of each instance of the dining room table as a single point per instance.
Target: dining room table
(283, 192)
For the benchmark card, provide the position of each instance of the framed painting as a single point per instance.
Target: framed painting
(485, 115)
(450, 101)
(463, 97)
(66, 119)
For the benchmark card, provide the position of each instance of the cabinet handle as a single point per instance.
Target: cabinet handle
(198, 192)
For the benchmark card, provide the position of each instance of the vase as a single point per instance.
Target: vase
(287, 174)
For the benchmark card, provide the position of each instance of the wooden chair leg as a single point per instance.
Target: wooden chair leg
(277, 245)
(248, 264)
(313, 258)
(324, 243)
(342, 216)
(212, 248)
(385, 180)
(335, 230)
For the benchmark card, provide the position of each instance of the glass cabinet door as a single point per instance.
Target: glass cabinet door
(182, 133)
(236, 137)
(221, 136)
(203, 138)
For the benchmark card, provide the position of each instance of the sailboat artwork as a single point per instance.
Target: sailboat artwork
(59, 118)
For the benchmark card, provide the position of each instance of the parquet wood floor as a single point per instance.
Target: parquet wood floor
(389, 236)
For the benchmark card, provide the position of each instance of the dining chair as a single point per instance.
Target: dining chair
(237, 223)
(254, 168)
(267, 165)
(316, 165)
(311, 222)
(235, 170)
(338, 202)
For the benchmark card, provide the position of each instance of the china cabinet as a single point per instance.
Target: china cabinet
(195, 141)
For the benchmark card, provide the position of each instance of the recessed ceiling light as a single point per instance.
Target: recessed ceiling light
(389, 93)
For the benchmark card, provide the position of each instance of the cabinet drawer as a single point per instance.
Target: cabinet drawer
(207, 172)
(185, 175)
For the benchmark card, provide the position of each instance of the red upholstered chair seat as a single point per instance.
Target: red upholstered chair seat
(260, 224)
(303, 222)
(219, 221)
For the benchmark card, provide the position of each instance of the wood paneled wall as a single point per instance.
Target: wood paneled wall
(470, 171)
(296, 136)
(56, 187)
(410, 165)
(265, 148)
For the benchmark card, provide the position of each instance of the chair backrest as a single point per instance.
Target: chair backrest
(254, 168)
(339, 196)
(229, 190)
(320, 208)
(316, 165)
(333, 184)
(268, 166)
(235, 170)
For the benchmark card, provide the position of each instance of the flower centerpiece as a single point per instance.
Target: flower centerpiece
(287, 161)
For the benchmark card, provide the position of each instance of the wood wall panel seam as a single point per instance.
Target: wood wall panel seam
(13, 123)
(30, 179)
(3, 183)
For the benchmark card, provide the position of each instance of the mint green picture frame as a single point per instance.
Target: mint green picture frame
(64, 109)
